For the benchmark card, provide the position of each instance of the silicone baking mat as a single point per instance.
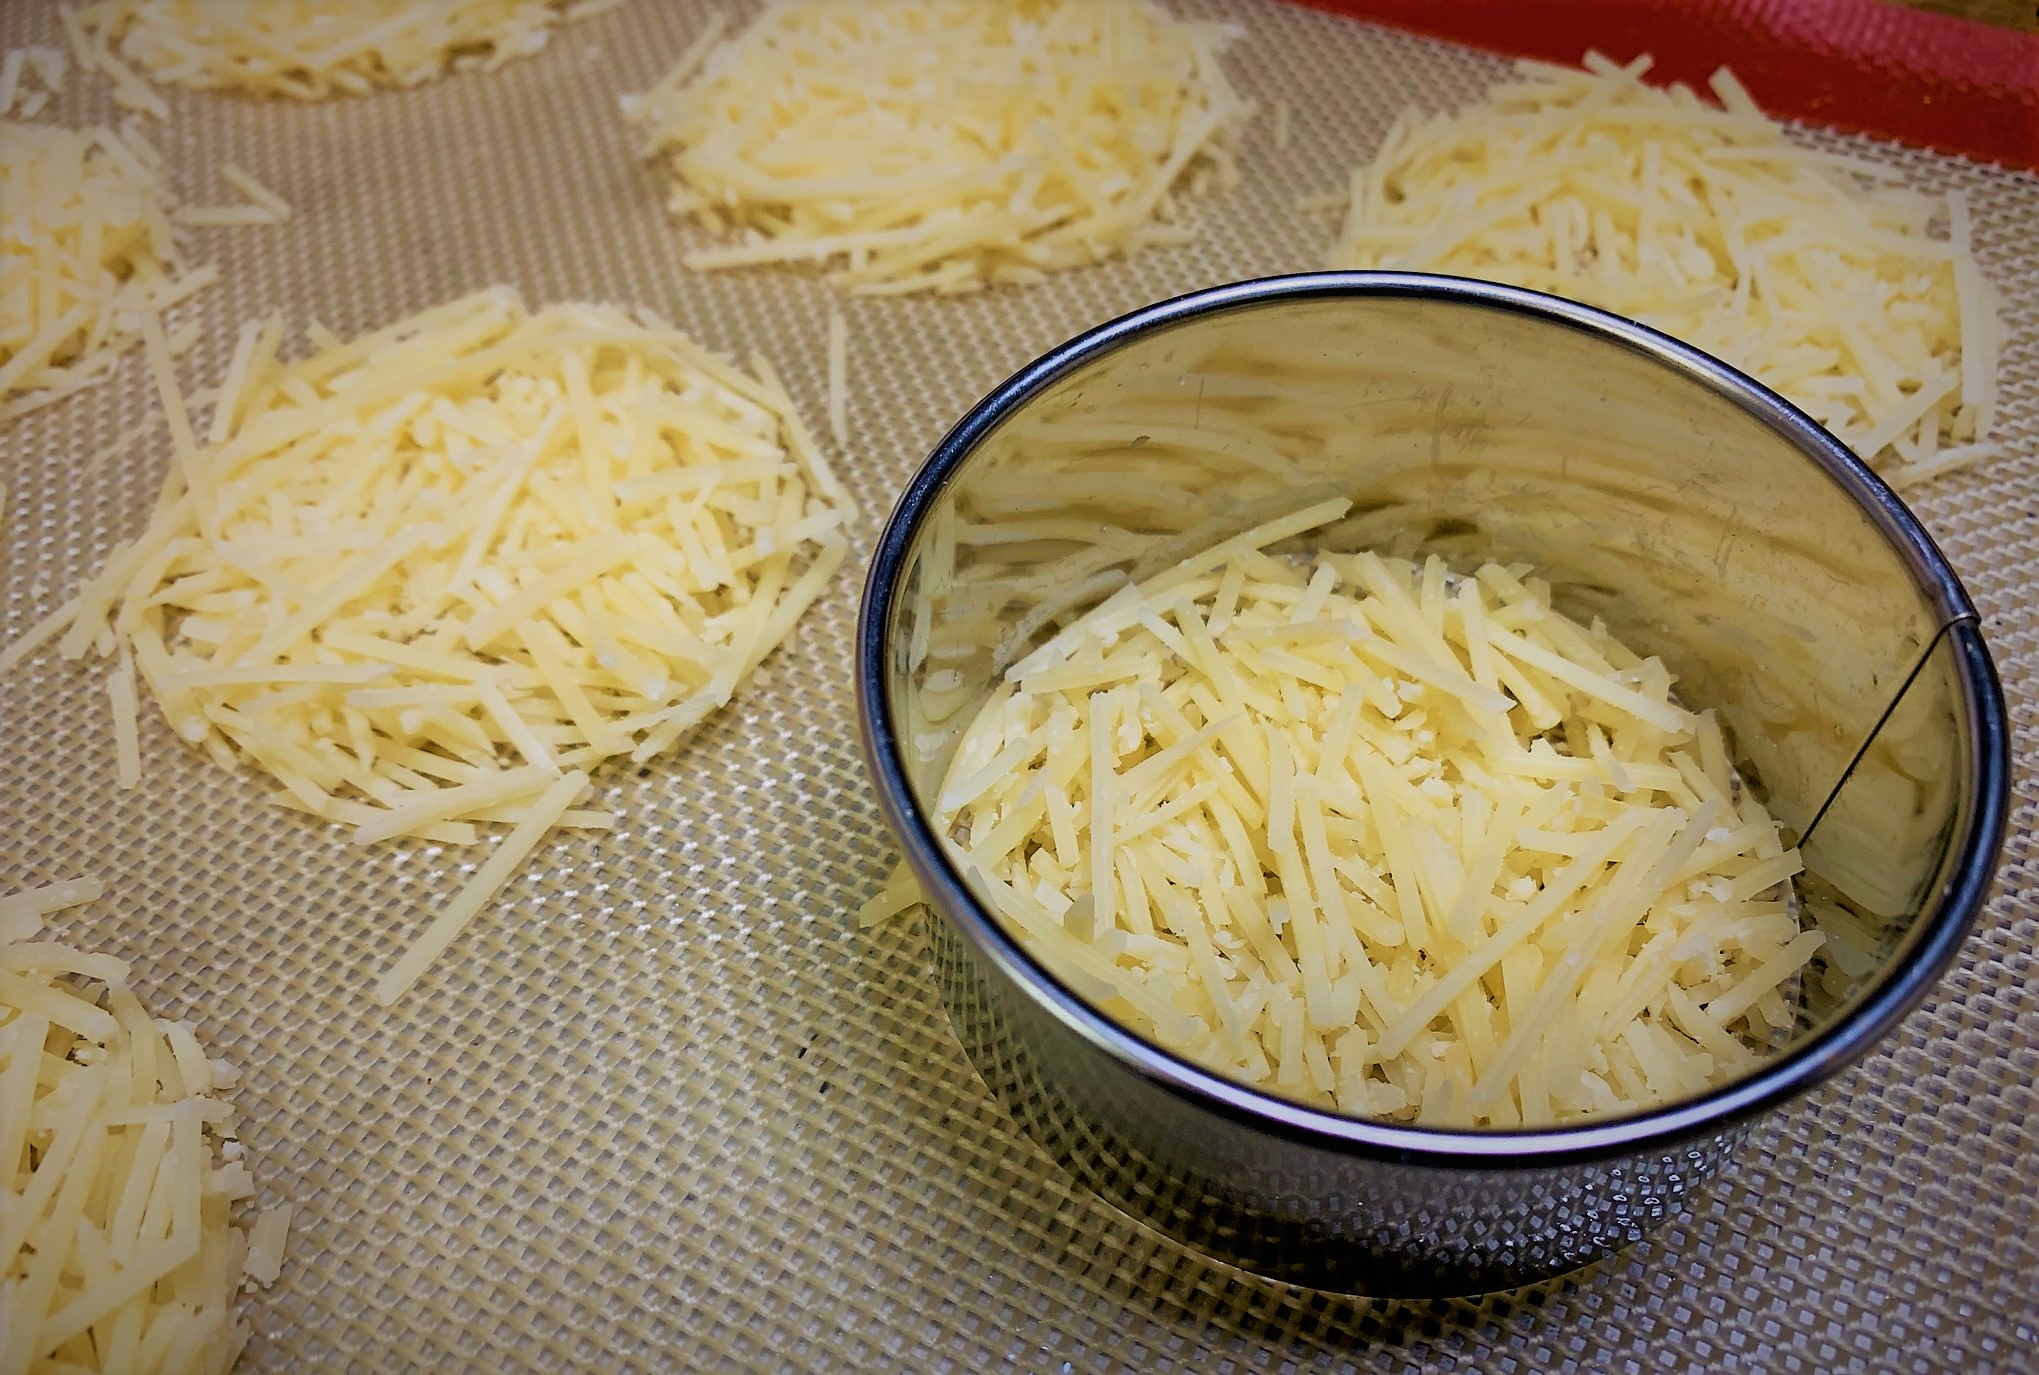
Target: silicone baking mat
(663, 1107)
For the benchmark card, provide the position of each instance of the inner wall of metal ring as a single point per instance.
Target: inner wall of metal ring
(1697, 532)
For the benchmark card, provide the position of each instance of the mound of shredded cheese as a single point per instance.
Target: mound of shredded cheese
(119, 1170)
(87, 248)
(427, 578)
(304, 49)
(943, 145)
(1822, 275)
(1382, 839)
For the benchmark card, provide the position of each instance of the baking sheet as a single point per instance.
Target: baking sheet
(663, 1107)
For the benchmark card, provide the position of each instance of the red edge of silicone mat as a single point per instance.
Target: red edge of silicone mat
(1867, 66)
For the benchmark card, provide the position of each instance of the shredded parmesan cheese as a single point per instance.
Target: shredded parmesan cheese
(263, 205)
(86, 249)
(1823, 276)
(120, 692)
(266, 1240)
(304, 49)
(21, 914)
(424, 577)
(1291, 819)
(943, 145)
(119, 1174)
(29, 79)
(838, 378)
(255, 191)
(900, 891)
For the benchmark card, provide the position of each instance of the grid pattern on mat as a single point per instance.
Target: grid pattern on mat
(663, 1107)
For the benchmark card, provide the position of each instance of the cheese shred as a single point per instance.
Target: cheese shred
(263, 205)
(1301, 839)
(943, 145)
(1823, 275)
(838, 378)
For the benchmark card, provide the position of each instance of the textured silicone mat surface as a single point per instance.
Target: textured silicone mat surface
(663, 1107)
